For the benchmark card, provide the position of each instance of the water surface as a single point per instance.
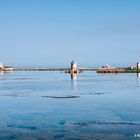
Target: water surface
(49, 105)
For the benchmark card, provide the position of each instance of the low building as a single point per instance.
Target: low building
(5, 68)
(8, 68)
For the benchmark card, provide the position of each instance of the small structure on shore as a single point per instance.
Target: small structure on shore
(138, 67)
(5, 68)
(1, 67)
(109, 69)
(133, 69)
(74, 69)
(107, 66)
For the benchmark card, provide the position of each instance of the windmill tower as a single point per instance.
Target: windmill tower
(74, 69)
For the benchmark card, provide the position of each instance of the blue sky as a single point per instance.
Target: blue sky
(53, 32)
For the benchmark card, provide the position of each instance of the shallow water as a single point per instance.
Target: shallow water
(49, 105)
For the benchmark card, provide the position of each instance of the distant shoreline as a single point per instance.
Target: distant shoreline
(53, 69)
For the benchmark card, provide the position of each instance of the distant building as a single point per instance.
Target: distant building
(1, 65)
(106, 66)
(138, 65)
(74, 68)
(73, 65)
(5, 68)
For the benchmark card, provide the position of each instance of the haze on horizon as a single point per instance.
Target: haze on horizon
(53, 32)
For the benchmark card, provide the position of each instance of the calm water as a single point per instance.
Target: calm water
(49, 105)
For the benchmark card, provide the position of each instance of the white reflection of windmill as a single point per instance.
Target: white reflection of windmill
(138, 75)
(74, 81)
(1, 73)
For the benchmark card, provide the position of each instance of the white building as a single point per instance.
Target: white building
(1, 65)
(73, 65)
(138, 65)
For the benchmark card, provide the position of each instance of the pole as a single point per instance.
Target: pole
(137, 67)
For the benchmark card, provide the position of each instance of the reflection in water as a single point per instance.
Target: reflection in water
(138, 79)
(1, 73)
(51, 111)
(1, 78)
(4, 72)
(138, 75)
(8, 72)
(74, 81)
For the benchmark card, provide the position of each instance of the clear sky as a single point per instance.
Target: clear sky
(53, 32)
